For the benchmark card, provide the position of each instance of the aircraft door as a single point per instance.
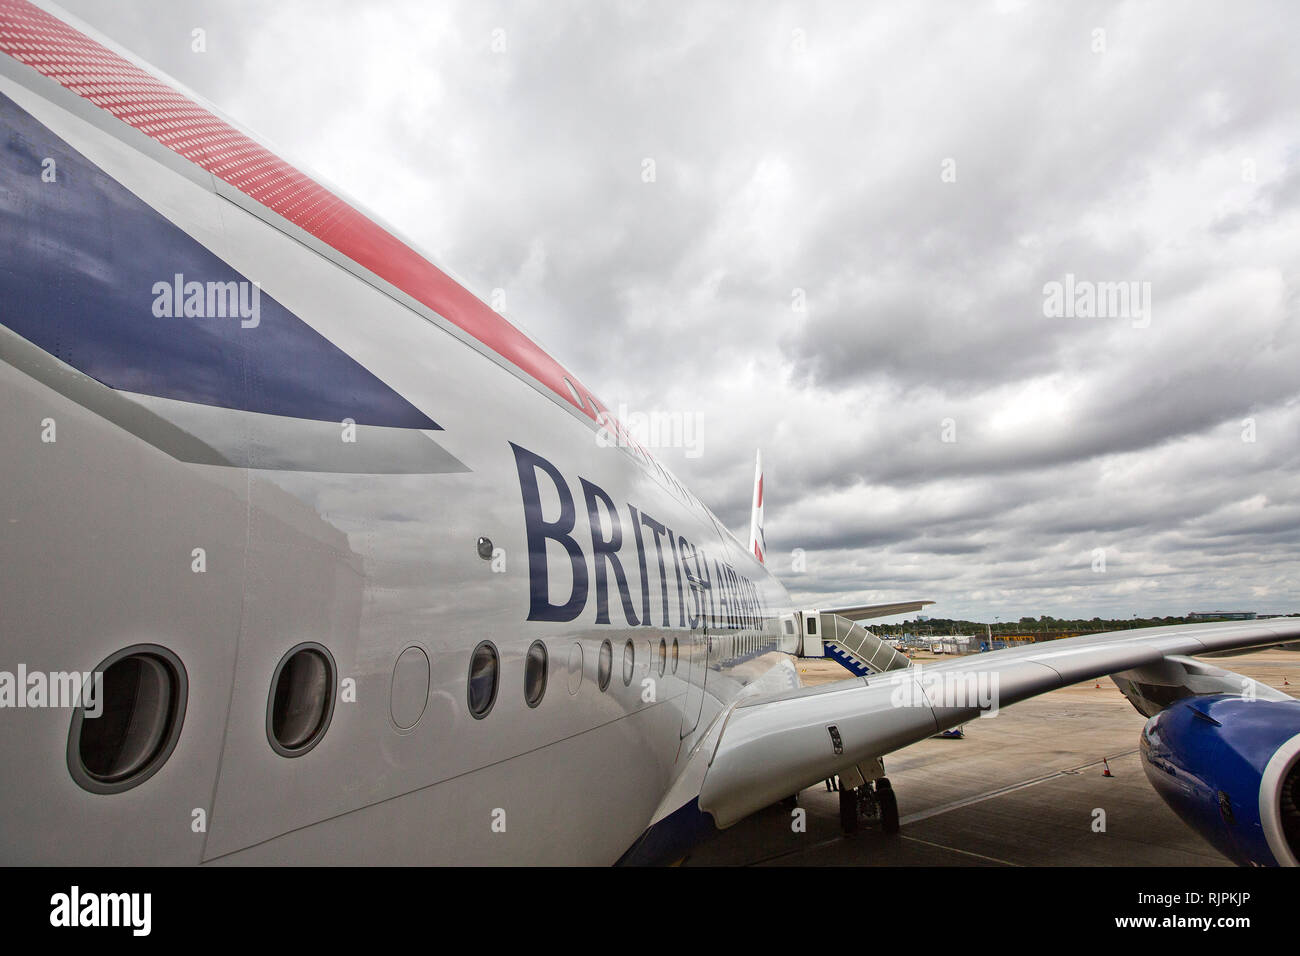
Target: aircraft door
(694, 668)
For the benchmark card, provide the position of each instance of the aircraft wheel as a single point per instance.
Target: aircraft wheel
(848, 810)
(888, 801)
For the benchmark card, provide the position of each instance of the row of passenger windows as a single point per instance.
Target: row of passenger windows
(130, 719)
(485, 671)
(749, 644)
(145, 690)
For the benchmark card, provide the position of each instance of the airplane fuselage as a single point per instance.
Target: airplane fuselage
(348, 469)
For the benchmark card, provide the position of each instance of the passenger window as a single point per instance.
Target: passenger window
(606, 668)
(484, 674)
(535, 672)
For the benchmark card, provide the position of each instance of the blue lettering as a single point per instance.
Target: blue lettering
(539, 531)
(606, 550)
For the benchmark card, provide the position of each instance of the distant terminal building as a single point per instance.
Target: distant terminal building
(1221, 615)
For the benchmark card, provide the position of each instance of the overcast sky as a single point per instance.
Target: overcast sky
(841, 251)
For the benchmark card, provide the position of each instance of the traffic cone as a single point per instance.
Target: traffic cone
(1285, 682)
(1105, 768)
(1097, 686)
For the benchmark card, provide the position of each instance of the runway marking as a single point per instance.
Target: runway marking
(953, 849)
(956, 805)
(1010, 788)
(795, 852)
(840, 838)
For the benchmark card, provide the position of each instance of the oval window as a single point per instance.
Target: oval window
(484, 674)
(408, 692)
(663, 656)
(675, 652)
(129, 719)
(535, 667)
(575, 668)
(606, 665)
(629, 662)
(302, 700)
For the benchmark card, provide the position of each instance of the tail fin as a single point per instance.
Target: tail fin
(757, 543)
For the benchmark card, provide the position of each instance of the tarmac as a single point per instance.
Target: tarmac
(1023, 788)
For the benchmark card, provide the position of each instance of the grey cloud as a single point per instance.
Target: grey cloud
(779, 170)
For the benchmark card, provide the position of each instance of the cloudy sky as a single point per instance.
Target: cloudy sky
(832, 230)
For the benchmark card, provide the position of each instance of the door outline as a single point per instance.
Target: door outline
(697, 658)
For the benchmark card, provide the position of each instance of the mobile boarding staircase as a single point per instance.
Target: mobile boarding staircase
(854, 647)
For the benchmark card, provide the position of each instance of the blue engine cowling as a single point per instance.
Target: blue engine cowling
(1230, 767)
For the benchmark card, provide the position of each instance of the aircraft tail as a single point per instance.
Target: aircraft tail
(757, 543)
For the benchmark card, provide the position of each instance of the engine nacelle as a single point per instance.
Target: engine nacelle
(1230, 767)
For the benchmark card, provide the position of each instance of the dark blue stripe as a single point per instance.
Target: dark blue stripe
(841, 657)
(81, 257)
(669, 839)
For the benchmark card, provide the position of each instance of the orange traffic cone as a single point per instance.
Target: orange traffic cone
(1097, 686)
(1105, 768)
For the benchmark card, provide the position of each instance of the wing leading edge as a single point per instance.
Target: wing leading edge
(862, 612)
(771, 747)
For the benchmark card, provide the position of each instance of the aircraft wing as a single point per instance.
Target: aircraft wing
(862, 612)
(771, 747)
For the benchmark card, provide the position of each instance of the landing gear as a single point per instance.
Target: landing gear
(869, 802)
(888, 802)
(849, 811)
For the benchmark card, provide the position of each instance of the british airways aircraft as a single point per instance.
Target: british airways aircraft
(353, 571)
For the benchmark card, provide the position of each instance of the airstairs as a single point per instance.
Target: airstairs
(856, 648)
